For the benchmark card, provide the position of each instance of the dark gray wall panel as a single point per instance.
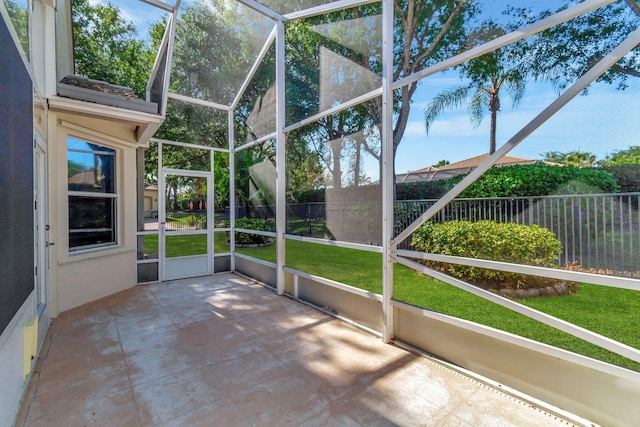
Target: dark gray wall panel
(16, 180)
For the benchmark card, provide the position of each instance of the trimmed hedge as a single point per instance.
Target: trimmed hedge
(420, 190)
(257, 224)
(537, 180)
(507, 242)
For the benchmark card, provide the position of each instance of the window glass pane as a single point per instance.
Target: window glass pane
(90, 167)
(39, 111)
(92, 221)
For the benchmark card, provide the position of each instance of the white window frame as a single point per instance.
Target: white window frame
(88, 194)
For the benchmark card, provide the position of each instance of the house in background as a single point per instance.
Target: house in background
(151, 201)
(458, 168)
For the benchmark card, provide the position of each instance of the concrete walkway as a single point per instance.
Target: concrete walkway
(223, 351)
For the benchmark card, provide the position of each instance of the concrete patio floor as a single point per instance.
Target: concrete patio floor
(225, 351)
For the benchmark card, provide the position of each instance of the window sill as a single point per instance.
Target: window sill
(82, 255)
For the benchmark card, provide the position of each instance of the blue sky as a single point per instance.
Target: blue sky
(600, 122)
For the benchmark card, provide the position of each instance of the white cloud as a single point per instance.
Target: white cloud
(415, 128)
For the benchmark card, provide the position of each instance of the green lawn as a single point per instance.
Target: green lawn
(612, 312)
(185, 245)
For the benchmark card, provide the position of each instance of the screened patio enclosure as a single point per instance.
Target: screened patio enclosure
(287, 123)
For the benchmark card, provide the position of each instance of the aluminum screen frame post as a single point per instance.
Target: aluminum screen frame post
(281, 175)
(387, 178)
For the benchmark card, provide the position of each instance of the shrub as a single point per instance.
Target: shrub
(627, 177)
(507, 242)
(306, 196)
(420, 190)
(257, 224)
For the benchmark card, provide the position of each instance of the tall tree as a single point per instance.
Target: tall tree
(107, 47)
(426, 32)
(487, 75)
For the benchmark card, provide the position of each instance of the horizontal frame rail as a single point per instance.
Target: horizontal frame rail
(334, 284)
(576, 276)
(337, 243)
(188, 145)
(253, 259)
(198, 101)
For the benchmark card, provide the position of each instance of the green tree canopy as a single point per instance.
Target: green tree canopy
(20, 20)
(627, 157)
(441, 163)
(107, 47)
(537, 180)
(565, 52)
(579, 159)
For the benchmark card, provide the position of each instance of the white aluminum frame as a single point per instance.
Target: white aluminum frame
(198, 101)
(281, 172)
(347, 288)
(387, 178)
(336, 243)
(391, 254)
(162, 212)
(552, 273)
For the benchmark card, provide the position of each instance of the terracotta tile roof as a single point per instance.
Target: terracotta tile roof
(427, 169)
(474, 162)
(463, 166)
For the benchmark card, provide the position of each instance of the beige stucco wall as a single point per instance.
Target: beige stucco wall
(84, 276)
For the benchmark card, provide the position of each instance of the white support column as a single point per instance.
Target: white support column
(281, 176)
(162, 212)
(388, 246)
(167, 70)
(211, 226)
(232, 191)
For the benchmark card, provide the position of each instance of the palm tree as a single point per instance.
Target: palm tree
(488, 74)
